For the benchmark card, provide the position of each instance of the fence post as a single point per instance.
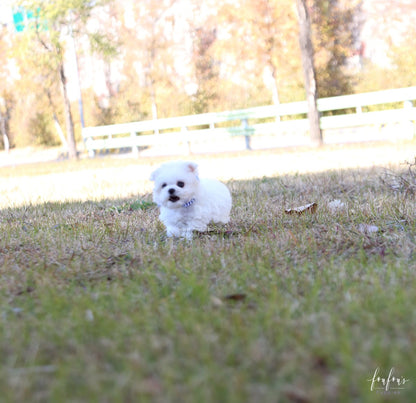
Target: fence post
(244, 125)
(91, 151)
(134, 147)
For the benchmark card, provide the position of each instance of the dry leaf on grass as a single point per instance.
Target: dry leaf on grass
(27, 290)
(309, 208)
(296, 395)
(235, 297)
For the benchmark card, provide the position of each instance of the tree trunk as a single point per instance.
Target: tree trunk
(307, 55)
(155, 116)
(275, 90)
(4, 133)
(56, 121)
(72, 146)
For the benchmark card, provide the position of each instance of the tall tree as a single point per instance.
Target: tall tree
(307, 54)
(206, 69)
(5, 91)
(49, 33)
(263, 36)
(335, 27)
(148, 32)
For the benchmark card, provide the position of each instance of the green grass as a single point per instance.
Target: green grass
(96, 306)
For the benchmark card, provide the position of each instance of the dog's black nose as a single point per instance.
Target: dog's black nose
(171, 191)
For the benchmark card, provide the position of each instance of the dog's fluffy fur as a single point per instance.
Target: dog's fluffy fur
(186, 202)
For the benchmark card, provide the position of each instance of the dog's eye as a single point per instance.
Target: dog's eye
(181, 184)
(164, 185)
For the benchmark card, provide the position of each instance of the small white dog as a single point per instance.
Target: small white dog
(186, 202)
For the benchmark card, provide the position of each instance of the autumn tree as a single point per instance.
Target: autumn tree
(46, 40)
(38, 103)
(271, 26)
(205, 68)
(395, 54)
(263, 36)
(6, 98)
(335, 30)
(148, 34)
(403, 59)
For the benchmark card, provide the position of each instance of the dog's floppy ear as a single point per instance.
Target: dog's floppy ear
(193, 167)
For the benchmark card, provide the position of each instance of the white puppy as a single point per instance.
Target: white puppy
(186, 202)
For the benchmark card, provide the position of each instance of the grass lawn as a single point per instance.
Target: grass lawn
(96, 306)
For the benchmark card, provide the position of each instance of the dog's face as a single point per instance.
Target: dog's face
(175, 183)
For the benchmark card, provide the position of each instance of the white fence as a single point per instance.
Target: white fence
(389, 114)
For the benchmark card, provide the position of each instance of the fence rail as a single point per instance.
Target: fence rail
(286, 123)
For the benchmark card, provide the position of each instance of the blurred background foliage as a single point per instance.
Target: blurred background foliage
(156, 59)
